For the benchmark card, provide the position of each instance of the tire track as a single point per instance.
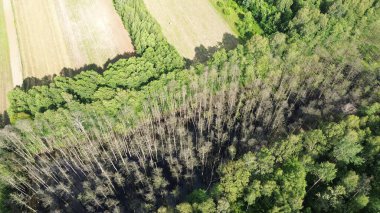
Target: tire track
(14, 51)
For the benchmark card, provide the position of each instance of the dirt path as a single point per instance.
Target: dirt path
(14, 51)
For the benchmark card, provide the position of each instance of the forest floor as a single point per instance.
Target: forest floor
(6, 83)
(189, 24)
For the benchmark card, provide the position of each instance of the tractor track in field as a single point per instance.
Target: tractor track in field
(14, 51)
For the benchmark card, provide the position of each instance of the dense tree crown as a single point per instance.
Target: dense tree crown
(287, 121)
(331, 169)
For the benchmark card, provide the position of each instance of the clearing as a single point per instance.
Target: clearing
(188, 24)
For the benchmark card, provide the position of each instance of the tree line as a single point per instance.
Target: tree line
(147, 134)
(154, 58)
(184, 133)
(189, 142)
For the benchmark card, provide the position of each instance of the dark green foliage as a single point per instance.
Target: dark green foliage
(263, 127)
(181, 141)
(272, 15)
(239, 17)
(155, 58)
(305, 178)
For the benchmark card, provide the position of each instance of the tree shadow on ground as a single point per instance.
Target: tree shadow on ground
(4, 119)
(203, 54)
(30, 82)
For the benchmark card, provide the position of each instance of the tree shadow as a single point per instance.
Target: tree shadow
(203, 54)
(117, 58)
(70, 72)
(30, 82)
(4, 119)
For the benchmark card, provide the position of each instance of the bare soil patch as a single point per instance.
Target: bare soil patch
(187, 24)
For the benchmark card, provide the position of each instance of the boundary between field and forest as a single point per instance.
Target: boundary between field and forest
(7, 76)
(126, 83)
(38, 47)
(190, 26)
(268, 83)
(155, 57)
(240, 20)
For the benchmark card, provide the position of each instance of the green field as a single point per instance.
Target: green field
(5, 69)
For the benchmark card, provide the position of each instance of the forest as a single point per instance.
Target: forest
(288, 121)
